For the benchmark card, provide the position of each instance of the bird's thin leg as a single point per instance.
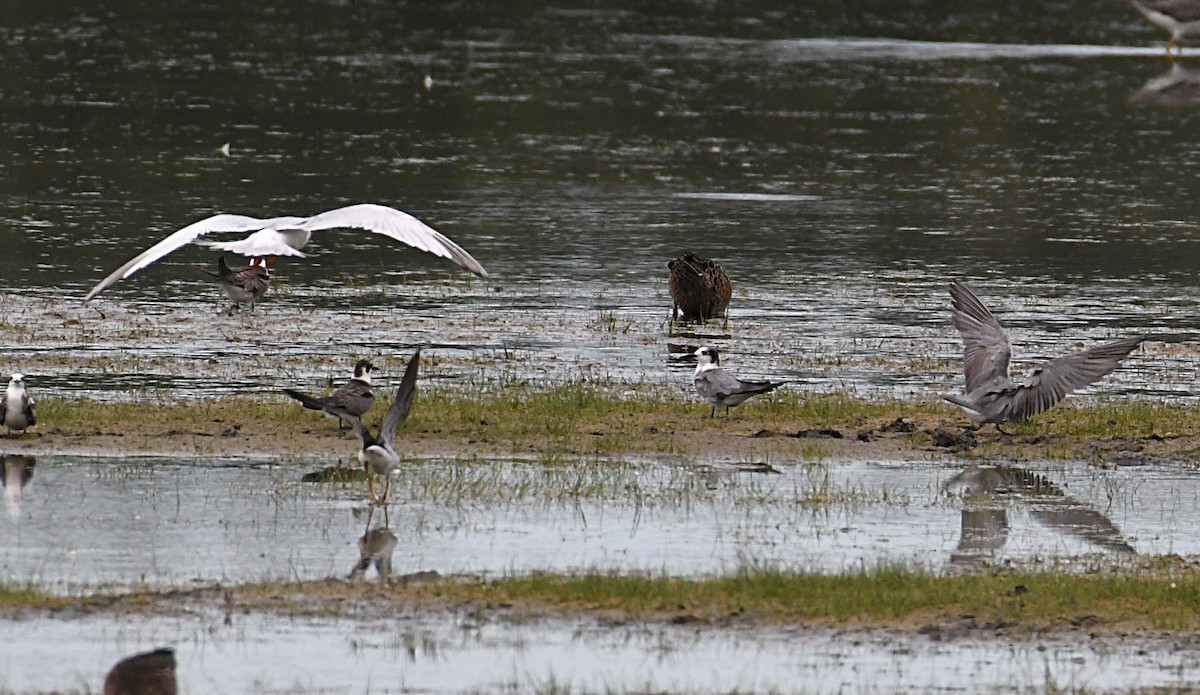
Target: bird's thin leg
(713, 413)
(370, 484)
(1001, 430)
(387, 487)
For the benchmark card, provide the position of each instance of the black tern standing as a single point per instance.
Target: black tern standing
(719, 387)
(244, 285)
(991, 395)
(354, 397)
(1180, 17)
(285, 236)
(17, 409)
(151, 673)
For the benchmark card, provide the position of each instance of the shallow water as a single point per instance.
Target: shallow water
(841, 161)
(82, 523)
(458, 654)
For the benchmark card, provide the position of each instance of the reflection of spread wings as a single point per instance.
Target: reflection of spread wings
(983, 531)
(1071, 517)
(1178, 87)
(986, 529)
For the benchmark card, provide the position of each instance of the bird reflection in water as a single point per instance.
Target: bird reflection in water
(375, 548)
(987, 491)
(1176, 88)
(18, 471)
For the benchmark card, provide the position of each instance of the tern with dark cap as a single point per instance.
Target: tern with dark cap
(18, 411)
(355, 397)
(245, 285)
(991, 395)
(720, 388)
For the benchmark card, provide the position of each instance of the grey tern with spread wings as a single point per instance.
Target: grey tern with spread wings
(285, 236)
(991, 394)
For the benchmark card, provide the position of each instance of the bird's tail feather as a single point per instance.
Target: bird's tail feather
(306, 400)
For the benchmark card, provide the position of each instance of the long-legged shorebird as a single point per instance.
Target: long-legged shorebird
(354, 397)
(285, 236)
(720, 388)
(991, 395)
(1180, 17)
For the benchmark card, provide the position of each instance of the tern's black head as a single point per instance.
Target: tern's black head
(362, 367)
(709, 352)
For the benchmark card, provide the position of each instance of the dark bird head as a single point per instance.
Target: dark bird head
(363, 368)
(707, 354)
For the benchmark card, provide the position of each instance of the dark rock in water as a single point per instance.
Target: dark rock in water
(864, 436)
(899, 426)
(1135, 458)
(822, 433)
(335, 474)
(947, 438)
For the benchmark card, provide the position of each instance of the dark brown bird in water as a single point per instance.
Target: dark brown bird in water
(151, 673)
(698, 286)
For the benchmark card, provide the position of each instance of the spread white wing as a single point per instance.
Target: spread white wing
(377, 219)
(216, 224)
(397, 225)
(284, 236)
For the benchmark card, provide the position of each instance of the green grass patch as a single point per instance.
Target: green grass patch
(600, 418)
(14, 598)
(1150, 598)
(887, 597)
